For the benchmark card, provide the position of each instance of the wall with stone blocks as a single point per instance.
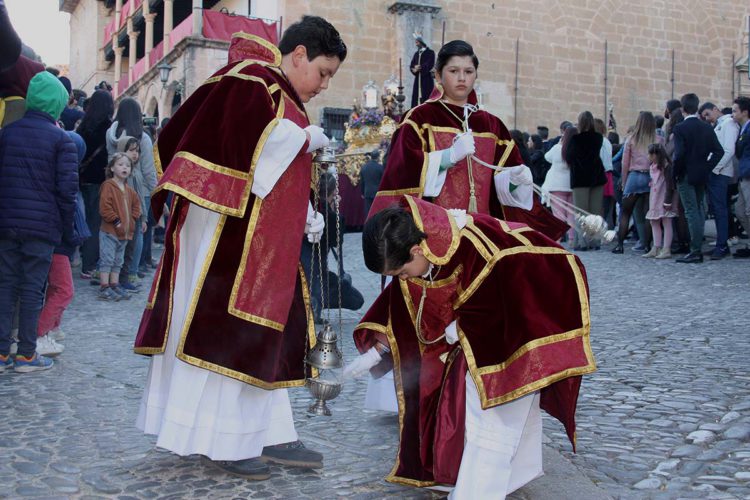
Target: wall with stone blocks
(561, 52)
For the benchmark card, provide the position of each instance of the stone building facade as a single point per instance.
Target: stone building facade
(541, 61)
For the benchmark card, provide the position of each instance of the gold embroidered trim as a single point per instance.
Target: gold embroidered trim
(157, 161)
(583, 332)
(198, 200)
(232, 307)
(264, 43)
(398, 192)
(509, 145)
(214, 167)
(455, 237)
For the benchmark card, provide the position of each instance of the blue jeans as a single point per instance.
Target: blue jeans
(90, 247)
(133, 252)
(24, 265)
(717, 196)
(691, 198)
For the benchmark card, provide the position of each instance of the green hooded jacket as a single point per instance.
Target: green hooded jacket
(46, 94)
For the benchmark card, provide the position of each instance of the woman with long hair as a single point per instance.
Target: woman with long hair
(636, 178)
(93, 129)
(129, 123)
(587, 178)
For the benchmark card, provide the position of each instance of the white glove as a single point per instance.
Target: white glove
(521, 175)
(451, 333)
(317, 138)
(314, 227)
(462, 147)
(362, 364)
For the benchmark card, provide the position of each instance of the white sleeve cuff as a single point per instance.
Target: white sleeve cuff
(282, 146)
(435, 179)
(521, 197)
(451, 333)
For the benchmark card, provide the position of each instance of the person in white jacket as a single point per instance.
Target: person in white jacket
(556, 190)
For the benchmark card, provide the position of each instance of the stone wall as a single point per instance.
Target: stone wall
(561, 52)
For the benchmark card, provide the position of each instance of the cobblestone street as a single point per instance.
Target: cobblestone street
(666, 416)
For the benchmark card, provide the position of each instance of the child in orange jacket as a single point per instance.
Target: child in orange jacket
(119, 208)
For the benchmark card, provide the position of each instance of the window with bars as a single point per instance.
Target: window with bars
(334, 120)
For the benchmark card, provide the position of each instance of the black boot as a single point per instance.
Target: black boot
(618, 248)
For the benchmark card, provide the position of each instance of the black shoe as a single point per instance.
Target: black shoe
(720, 253)
(618, 248)
(681, 249)
(292, 454)
(742, 253)
(691, 258)
(252, 468)
(580, 248)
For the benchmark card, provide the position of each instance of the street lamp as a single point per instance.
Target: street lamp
(164, 68)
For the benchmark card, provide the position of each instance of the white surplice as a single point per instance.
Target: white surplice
(197, 411)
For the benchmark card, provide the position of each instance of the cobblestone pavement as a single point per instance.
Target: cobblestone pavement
(667, 415)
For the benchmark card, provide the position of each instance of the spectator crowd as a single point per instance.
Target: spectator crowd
(670, 177)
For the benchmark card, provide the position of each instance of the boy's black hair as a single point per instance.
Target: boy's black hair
(455, 48)
(317, 35)
(387, 239)
(743, 103)
(706, 105)
(690, 103)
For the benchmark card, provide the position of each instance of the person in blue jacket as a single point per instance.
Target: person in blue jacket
(38, 184)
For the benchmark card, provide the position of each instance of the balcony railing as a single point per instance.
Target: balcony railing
(215, 26)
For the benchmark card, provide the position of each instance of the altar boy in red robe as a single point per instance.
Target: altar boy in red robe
(228, 318)
(487, 322)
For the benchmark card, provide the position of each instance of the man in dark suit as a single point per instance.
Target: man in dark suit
(696, 153)
(370, 176)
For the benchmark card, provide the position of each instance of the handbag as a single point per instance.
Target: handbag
(80, 227)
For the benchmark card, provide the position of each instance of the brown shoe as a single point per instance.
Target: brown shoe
(293, 455)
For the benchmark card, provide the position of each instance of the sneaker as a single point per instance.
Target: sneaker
(33, 364)
(87, 275)
(129, 287)
(94, 281)
(252, 468)
(134, 279)
(57, 334)
(141, 274)
(292, 454)
(742, 253)
(46, 346)
(6, 362)
(119, 290)
(106, 293)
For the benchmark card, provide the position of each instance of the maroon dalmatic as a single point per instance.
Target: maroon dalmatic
(522, 311)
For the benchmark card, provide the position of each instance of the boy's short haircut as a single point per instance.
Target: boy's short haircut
(706, 105)
(387, 239)
(743, 103)
(317, 35)
(690, 103)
